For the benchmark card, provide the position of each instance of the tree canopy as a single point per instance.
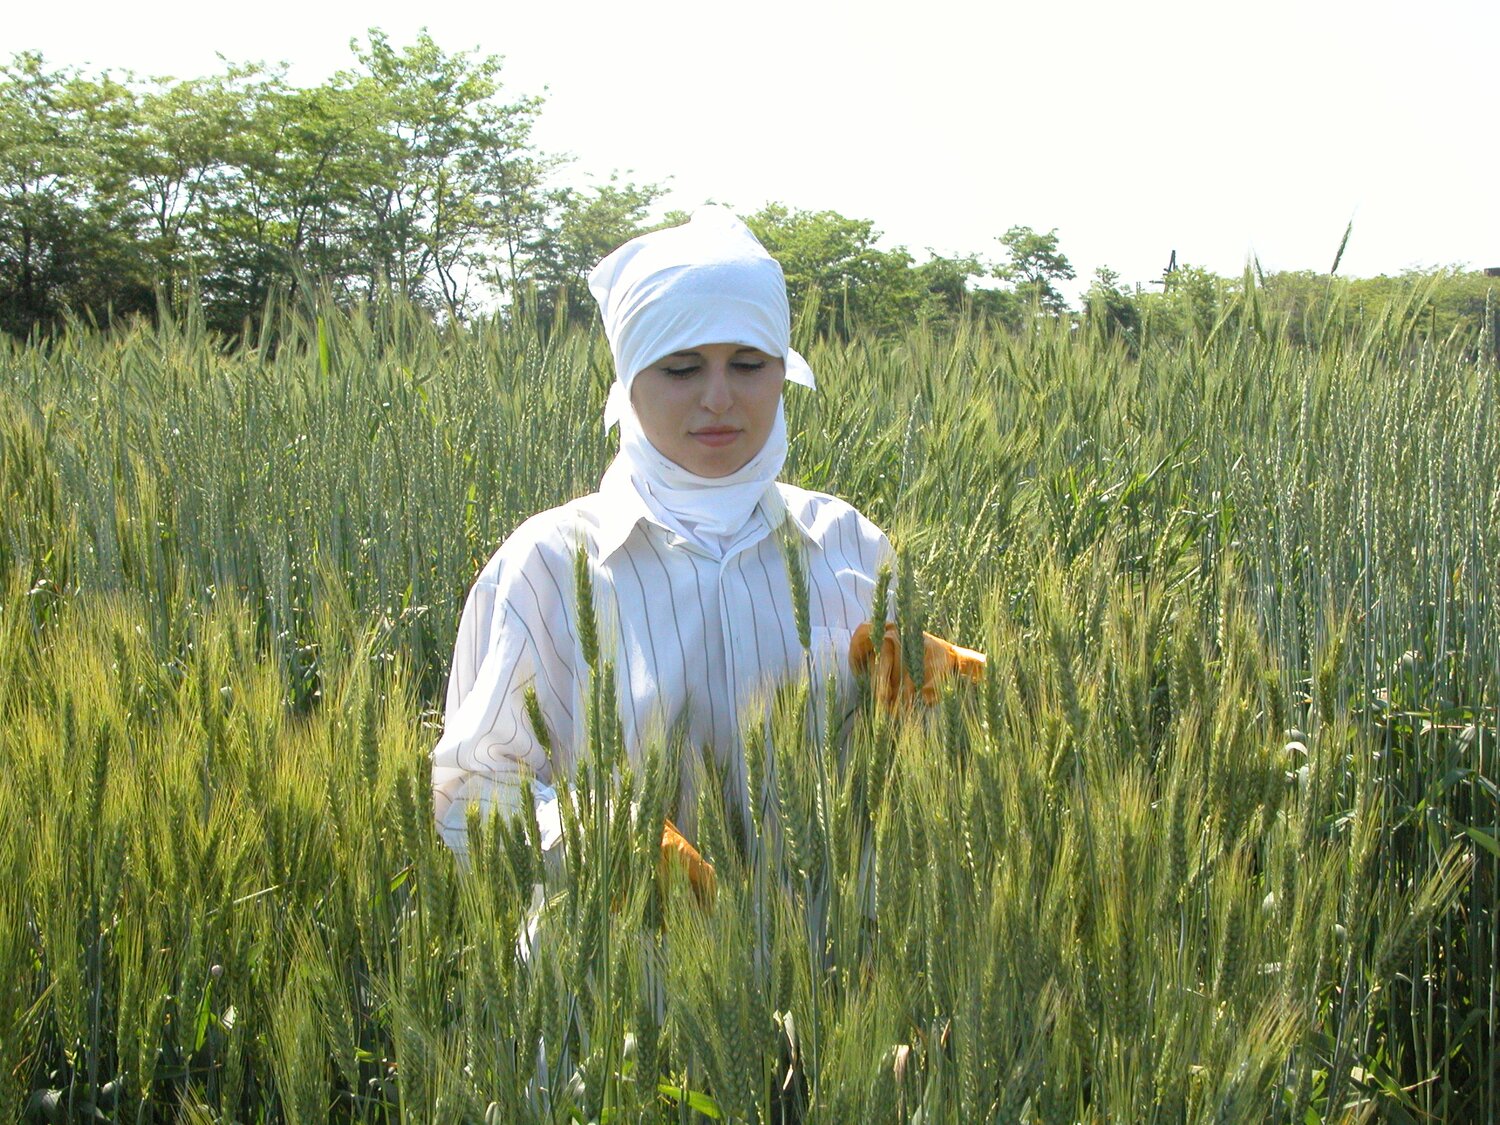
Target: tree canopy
(1035, 267)
(410, 172)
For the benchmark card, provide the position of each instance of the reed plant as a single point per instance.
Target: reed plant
(1215, 839)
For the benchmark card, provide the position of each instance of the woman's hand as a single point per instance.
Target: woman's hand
(893, 685)
(700, 873)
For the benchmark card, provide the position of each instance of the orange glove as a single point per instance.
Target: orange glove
(940, 659)
(700, 873)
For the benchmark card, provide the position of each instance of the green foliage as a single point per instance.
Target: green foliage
(407, 174)
(1451, 305)
(62, 241)
(839, 281)
(589, 223)
(456, 170)
(1190, 305)
(1447, 307)
(835, 276)
(1110, 308)
(1209, 843)
(1036, 265)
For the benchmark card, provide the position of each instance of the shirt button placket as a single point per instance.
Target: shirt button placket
(733, 613)
(727, 627)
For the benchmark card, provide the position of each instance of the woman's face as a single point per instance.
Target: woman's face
(709, 408)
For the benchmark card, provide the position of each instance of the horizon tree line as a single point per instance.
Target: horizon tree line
(413, 173)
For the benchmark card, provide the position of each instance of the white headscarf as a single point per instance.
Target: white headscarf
(706, 282)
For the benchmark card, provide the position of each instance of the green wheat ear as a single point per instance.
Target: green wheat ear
(909, 620)
(537, 720)
(796, 577)
(880, 607)
(583, 588)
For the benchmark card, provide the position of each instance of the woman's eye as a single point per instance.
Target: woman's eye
(681, 372)
(749, 364)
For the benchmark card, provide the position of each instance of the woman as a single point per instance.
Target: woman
(683, 541)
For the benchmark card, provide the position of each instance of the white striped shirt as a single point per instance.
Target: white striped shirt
(695, 638)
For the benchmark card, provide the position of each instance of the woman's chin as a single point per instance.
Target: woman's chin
(714, 456)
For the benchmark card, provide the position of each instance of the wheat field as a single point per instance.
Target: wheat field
(1215, 840)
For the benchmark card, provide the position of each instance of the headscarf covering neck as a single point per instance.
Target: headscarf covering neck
(706, 282)
(709, 512)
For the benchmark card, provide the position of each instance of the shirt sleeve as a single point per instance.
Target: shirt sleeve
(515, 634)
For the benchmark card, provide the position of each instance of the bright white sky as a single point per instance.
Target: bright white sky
(1218, 130)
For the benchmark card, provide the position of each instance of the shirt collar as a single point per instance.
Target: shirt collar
(774, 505)
(622, 508)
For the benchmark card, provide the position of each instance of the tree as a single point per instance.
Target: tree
(1036, 265)
(458, 176)
(66, 236)
(1192, 298)
(1110, 307)
(944, 282)
(585, 225)
(178, 157)
(303, 164)
(834, 272)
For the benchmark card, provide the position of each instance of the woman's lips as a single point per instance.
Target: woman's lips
(715, 437)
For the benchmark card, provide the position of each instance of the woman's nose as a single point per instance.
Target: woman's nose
(717, 395)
